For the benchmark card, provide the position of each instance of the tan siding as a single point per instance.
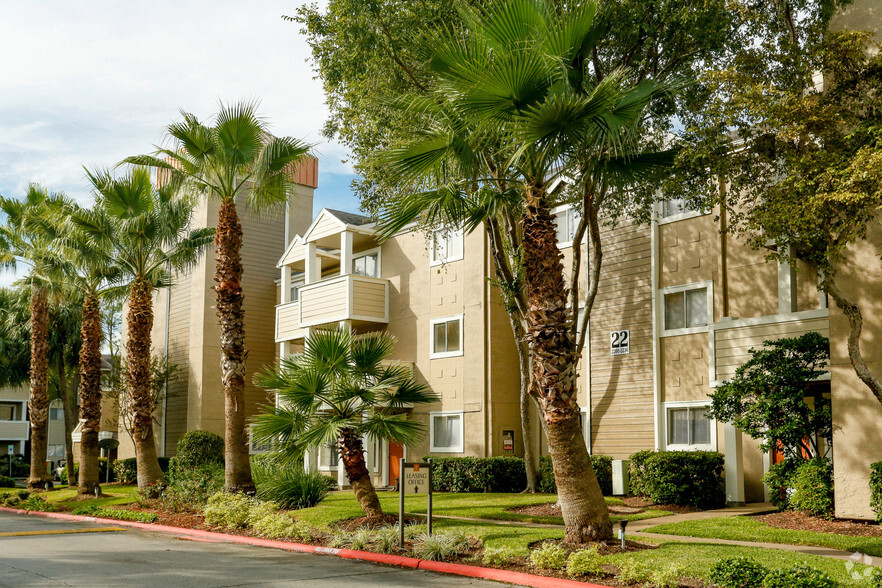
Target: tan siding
(325, 227)
(288, 322)
(369, 299)
(324, 301)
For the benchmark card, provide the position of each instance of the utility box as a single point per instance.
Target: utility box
(621, 477)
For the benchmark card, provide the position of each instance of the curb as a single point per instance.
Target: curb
(507, 576)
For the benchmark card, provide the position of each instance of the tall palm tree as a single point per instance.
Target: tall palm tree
(339, 390)
(27, 239)
(145, 231)
(510, 112)
(90, 269)
(234, 156)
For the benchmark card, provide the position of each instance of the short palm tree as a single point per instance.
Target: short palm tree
(145, 230)
(88, 267)
(511, 111)
(233, 158)
(338, 391)
(27, 239)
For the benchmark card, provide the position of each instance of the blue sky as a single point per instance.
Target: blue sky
(94, 82)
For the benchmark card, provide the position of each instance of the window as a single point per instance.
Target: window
(687, 308)
(446, 337)
(297, 282)
(56, 414)
(367, 265)
(260, 447)
(567, 221)
(678, 206)
(328, 457)
(689, 426)
(7, 412)
(446, 246)
(56, 451)
(446, 432)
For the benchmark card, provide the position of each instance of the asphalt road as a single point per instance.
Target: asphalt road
(44, 552)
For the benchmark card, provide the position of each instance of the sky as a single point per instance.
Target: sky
(93, 82)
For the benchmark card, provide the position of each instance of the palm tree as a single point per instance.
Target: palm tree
(224, 160)
(145, 231)
(89, 269)
(510, 112)
(338, 391)
(27, 239)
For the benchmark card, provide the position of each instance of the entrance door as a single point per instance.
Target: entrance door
(396, 452)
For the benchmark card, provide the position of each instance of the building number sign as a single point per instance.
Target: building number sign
(620, 342)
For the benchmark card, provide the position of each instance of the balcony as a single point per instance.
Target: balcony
(14, 430)
(360, 299)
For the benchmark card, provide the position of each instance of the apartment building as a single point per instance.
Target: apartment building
(15, 428)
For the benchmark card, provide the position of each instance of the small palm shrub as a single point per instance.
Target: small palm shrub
(813, 488)
(738, 572)
(288, 486)
(801, 576)
(228, 510)
(550, 556)
(585, 562)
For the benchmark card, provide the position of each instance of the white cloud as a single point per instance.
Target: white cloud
(94, 82)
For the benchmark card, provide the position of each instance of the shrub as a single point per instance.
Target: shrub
(801, 576)
(496, 556)
(602, 465)
(666, 577)
(478, 474)
(876, 489)
(550, 556)
(6, 482)
(632, 571)
(386, 540)
(585, 562)
(692, 478)
(275, 525)
(126, 470)
(127, 515)
(190, 488)
(439, 546)
(738, 572)
(197, 448)
(779, 479)
(35, 502)
(813, 488)
(874, 578)
(289, 486)
(228, 510)
(13, 501)
(20, 467)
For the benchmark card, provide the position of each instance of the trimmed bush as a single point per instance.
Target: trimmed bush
(801, 576)
(585, 562)
(602, 465)
(813, 488)
(550, 556)
(288, 486)
(196, 448)
(496, 556)
(688, 478)
(190, 488)
(738, 572)
(779, 479)
(876, 489)
(478, 474)
(6, 482)
(126, 470)
(228, 510)
(632, 571)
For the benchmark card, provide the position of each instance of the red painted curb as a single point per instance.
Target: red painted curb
(382, 558)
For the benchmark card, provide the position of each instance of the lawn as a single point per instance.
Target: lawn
(116, 495)
(490, 506)
(695, 560)
(745, 528)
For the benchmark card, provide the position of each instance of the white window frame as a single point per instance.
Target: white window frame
(454, 449)
(663, 220)
(457, 233)
(298, 283)
(444, 319)
(712, 446)
(365, 253)
(708, 285)
(558, 210)
(326, 467)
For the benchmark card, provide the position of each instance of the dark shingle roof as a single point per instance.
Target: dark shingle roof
(350, 218)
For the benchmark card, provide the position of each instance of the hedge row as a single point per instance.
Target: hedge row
(876, 489)
(689, 478)
(478, 474)
(602, 465)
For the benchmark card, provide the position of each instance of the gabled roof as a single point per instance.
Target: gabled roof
(349, 218)
(291, 251)
(344, 220)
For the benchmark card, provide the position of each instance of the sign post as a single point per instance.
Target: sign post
(9, 450)
(415, 477)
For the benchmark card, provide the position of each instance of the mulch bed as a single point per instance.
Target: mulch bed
(800, 521)
(631, 505)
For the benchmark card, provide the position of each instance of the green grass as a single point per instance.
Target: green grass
(116, 495)
(488, 506)
(695, 560)
(745, 528)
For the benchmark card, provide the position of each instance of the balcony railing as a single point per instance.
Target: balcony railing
(14, 430)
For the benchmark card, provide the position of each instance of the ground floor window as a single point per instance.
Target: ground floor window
(689, 426)
(56, 452)
(328, 457)
(446, 432)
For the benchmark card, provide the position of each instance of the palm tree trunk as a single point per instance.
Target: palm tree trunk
(231, 316)
(531, 460)
(90, 395)
(69, 402)
(140, 322)
(352, 456)
(554, 376)
(38, 403)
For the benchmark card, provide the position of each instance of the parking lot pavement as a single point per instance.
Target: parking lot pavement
(44, 552)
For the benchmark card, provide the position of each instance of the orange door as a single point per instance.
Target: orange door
(396, 452)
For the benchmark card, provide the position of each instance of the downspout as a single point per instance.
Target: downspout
(165, 392)
(486, 302)
(656, 365)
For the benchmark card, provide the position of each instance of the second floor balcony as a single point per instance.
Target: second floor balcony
(14, 430)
